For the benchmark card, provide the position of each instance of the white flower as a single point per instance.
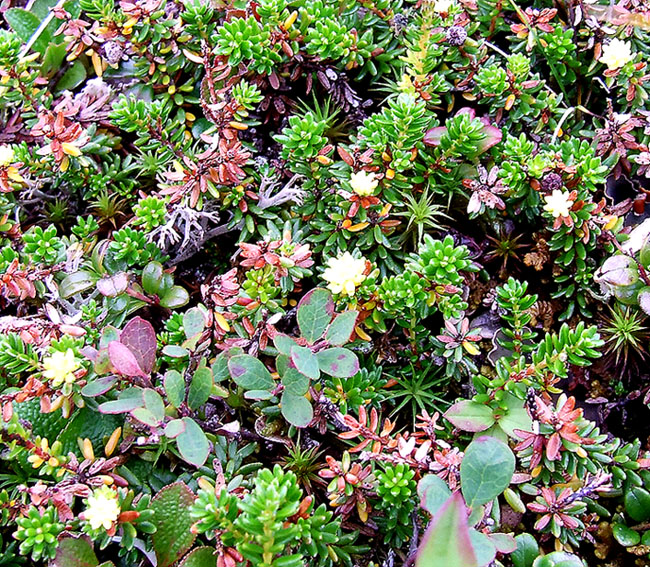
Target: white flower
(616, 54)
(102, 509)
(60, 367)
(345, 273)
(6, 156)
(442, 6)
(363, 183)
(558, 203)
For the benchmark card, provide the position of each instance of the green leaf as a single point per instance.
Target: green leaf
(175, 351)
(200, 557)
(90, 424)
(558, 559)
(341, 328)
(294, 382)
(192, 444)
(174, 428)
(171, 516)
(305, 361)
(516, 417)
(200, 387)
(98, 386)
(484, 549)
(249, 373)
(193, 322)
(637, 504)
(433, 493)
(176, 297)
(174, 387)
(625, 536)
(526, 552)
(468, 415)
(154, 403)
(339, 362)
(76, 282)
(25, 24)
(72, 78)
(283, 343)
(152, 275)
(296, 409)
(486, 470)
(75, 552)
(447, 540)
(145, 416)
(315, 312)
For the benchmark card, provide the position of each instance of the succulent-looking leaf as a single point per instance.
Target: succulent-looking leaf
(140, 337)
(558, 559)
(527, 551)
(176, 297)
(173, 537)
(486, 470)
(314, 314)
(447, 541)
(637, 503)
(470, 416)
(339, 362)
(192, 443)
(249, 373)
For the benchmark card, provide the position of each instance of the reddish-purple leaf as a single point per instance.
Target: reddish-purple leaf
(123, 360)
(432, 136)
(139, 336)
(493, 136)
(447, 541)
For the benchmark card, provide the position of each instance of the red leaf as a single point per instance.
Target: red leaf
(123, 360)
(139, 336)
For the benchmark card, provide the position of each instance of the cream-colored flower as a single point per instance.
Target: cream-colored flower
(345, 273)
(60, 367)
(363, 183)
(616, 54)
(102, 509)
(558, 203)
(442, 6)
(6, 156)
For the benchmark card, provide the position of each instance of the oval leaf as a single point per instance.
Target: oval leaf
(123, 360)
(249, 373)
(339, 362)
(470, 416)
(296, 409)
(193, 445)
(140, 336)
(486, 470)
(342, 328)
(315, 312)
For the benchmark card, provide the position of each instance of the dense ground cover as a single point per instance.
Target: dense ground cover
(324, 283)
